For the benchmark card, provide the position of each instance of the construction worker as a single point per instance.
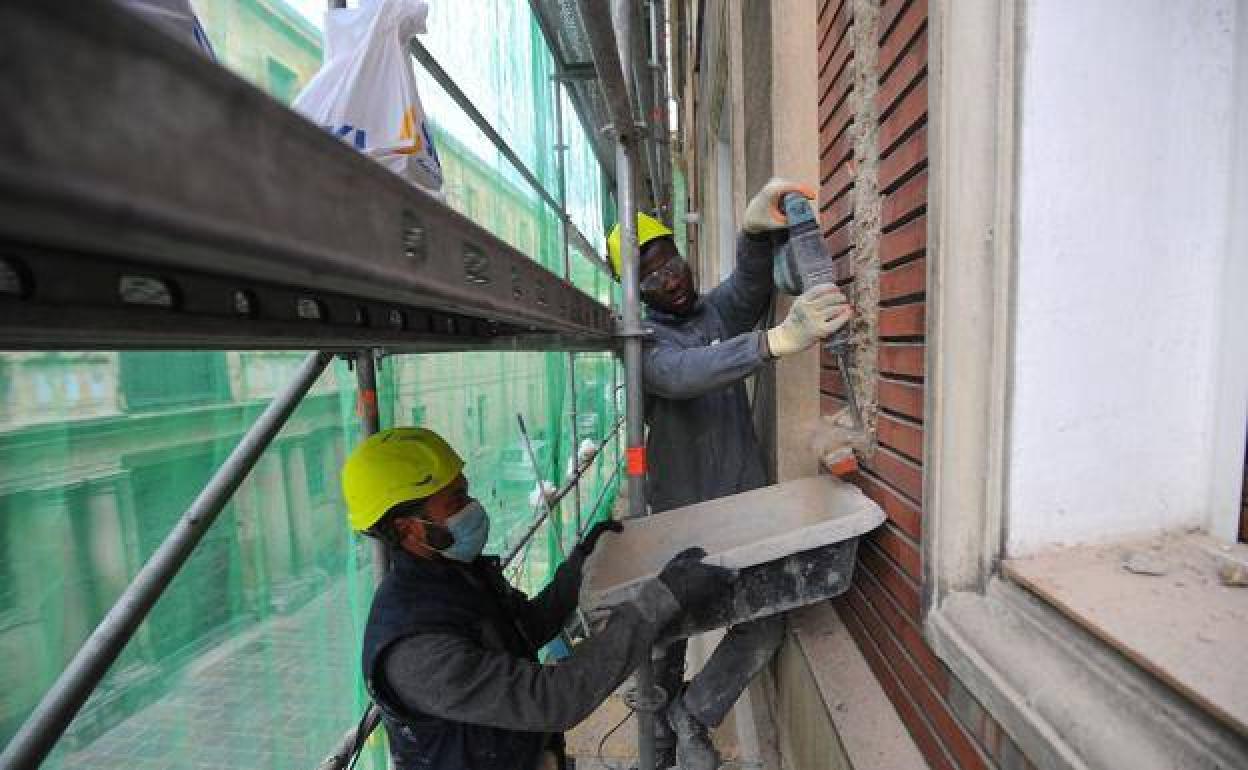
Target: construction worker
(450, 650)
(701, 442)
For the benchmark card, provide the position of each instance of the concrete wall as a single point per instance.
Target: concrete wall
(763, 98)
(794, 85)
(1124, 217)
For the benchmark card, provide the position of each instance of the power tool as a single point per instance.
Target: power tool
(805, 263)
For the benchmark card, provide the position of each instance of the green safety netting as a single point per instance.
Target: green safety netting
(250, 659)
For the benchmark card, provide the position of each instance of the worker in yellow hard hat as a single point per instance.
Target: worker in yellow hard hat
(450, 649)
(701, 442)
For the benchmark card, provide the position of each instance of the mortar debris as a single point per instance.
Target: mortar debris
(1145, 563)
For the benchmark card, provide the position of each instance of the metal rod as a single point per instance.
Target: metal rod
(460, 98)
(625, 157)
(555, 499)
(370, 423)
(348, 745)
(598, 30)
(61, 703)
(602, 492)
(547, 508)
(561, 153)
(658, 67)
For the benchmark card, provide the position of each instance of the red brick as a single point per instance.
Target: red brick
(908, 157)
(904, 242)
(837, 143)
(954, 737)
(909, 68)
(900, 549)
(904, 201)
(839, 57)
(830, 381)
(899, 586)
(837, 212)
(910, 112)
(901, 358)
(907, 632)
(890, 12)
(838, 242)
(903, 320)
(903, 436)
(903, 475)
(906, 280)
(833, 91)
(830, 405)
(901, 35)
(905, 669)
(837, 183)
(901, 397)
(920, 730)
(902, 512)
(843, 269)
(834, 151)
(833, 21)
(834, 125)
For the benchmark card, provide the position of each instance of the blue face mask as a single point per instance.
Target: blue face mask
(471, 529)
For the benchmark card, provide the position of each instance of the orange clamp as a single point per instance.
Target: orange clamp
(366, 404)
(636, 457)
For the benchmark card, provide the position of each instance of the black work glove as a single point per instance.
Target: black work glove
(694, 583)
(587, 544)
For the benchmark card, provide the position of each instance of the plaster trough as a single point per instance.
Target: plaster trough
(794, 543)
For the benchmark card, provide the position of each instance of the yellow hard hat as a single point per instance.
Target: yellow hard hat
(392, 467)
(648, 228)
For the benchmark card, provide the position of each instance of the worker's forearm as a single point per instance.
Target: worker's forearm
(549, 610)
(448, 676)
(743, 297)
(678, 373)
(755, 254)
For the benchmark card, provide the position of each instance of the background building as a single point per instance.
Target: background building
(101, 452)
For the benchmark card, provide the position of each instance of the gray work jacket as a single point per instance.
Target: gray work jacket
(701, 443)
(471, 675)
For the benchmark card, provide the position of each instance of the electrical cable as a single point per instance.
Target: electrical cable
(603, 742)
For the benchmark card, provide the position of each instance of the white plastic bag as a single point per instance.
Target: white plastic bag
(365, 93)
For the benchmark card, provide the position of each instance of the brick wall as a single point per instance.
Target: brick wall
(873, 196)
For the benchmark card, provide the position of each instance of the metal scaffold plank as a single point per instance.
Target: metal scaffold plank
(150, 198)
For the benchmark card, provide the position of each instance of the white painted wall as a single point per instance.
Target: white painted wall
(1230, 402)
(1124, 224)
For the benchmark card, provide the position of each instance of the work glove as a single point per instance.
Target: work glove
(693, 582)
(817, 314)
(586, 546)
(765, 211)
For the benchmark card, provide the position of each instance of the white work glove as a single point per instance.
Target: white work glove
(586, 451)
(765, 212)
(816, 314)
(543, 487)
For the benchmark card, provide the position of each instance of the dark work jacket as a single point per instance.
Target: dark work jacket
(421, 596)
(701, 443)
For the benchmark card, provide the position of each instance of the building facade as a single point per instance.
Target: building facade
(1036, 209)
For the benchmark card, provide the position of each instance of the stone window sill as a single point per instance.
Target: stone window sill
(1071, 697)
(1168, 604)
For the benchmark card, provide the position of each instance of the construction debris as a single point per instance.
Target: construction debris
(1145, 563)
(1232, 572)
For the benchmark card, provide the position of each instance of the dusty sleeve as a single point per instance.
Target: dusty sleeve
(743, 297)
(670, 371)
(452, 677)
(545, 614)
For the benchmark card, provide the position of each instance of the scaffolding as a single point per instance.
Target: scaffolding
(330, 254)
